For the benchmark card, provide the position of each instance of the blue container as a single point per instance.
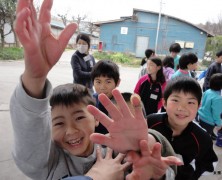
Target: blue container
(219, 140)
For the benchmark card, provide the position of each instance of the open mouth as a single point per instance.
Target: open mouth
(75, 142)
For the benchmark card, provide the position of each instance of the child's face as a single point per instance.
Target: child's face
(72, 127)
(181, 109)
(104, 84)
(173, 54)
(219, 59)
(152, 68)
(192, 67)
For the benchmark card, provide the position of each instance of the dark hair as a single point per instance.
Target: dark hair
(83, 37)
(183, 84)
(69, 94)
(216, 82)
(219, 53)
(105, 68)
(175, 47)
(186, 59)
(126, 96)
(159, 76)
(149, 52)
(168, 61)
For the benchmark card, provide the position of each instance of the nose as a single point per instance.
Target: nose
(102, 86)
(181, 107)
(71, 129)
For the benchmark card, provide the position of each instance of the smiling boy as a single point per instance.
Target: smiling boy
(53, 143)
(182, 98)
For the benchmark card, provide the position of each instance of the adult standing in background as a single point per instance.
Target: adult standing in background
(82, 62)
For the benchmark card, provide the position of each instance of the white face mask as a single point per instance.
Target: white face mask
(82, 48)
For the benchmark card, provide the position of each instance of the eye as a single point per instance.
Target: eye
(190, 102)
(97, 82)
(174, 100)
(58, 124)
(80, 118)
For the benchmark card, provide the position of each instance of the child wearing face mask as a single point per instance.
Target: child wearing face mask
(82, 62)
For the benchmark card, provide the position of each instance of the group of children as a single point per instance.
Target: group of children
(54, 130)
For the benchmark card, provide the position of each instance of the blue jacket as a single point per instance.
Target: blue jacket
(211, 108)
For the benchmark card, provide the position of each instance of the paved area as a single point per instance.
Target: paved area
(61, 73)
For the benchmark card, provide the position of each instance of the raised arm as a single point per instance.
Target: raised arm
(41, 49)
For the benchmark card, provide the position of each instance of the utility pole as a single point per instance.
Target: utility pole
(158, 27)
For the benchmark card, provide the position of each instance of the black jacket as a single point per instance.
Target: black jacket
(82, 69)
(194, 145)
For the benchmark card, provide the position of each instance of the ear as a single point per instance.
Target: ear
(118, 83)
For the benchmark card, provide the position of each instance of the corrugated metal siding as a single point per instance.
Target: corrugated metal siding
(170, 30)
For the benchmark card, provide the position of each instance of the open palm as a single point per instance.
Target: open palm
(125, 128)
(42, 49)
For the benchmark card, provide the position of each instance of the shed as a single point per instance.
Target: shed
(133, 34)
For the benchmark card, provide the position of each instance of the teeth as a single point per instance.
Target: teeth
(73, 142)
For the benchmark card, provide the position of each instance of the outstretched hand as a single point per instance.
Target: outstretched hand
(125, 128)
(42, 50)
(150, 164)
(108, 168)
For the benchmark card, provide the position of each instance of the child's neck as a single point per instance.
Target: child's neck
(185, 71)
(177, 130)
(153, 76)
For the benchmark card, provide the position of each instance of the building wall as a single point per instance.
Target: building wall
(170, 30)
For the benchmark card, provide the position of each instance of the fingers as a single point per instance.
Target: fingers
(109, 153)
(156, 151)
(132, 157)
(144, 148)
(21, 25)
(137, 104)
(172, 160)
(45, 11)
(110, 107)
(21, 5)
(100, 116)
(133, 176)
(66, 34)
(122, 105)
(101, 139)
(98, 152)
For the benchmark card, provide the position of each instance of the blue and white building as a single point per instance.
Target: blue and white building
(133, 34)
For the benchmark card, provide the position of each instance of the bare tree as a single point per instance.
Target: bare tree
(7, 16)
(212, 26)
(78, 20)
(91, 27)
(63, 18)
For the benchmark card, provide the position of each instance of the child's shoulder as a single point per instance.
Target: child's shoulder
(199, 133)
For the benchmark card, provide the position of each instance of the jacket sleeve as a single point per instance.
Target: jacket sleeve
(210, 71)
(217, 104)
(138, 84)
(31, 122)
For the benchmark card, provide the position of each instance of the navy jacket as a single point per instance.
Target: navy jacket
(82, 69)
(194, 144)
